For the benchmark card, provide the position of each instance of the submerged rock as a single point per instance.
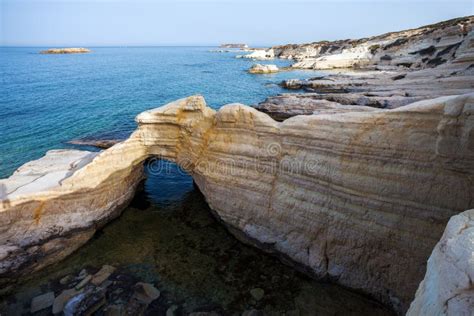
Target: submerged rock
(257, 293)
(172, 310)
(447, 288)
(85, 303)
(61, 300)
(146, 292)
(102, 275)
(83, 282)
(41, 302)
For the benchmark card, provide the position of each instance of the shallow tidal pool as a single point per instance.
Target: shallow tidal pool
(169, 237)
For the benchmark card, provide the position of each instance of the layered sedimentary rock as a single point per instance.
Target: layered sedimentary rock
(447, 288)
(385, 71)
(285, 106)
(423, 47)
(73, 50)
(52, 206)
(359, 198)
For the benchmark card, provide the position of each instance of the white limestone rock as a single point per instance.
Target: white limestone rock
(359, 197)
(447, 288)
(263, 69)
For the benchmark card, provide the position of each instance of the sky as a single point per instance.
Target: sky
(211, 22)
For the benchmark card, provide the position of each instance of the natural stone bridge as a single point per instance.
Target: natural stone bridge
(360, 198)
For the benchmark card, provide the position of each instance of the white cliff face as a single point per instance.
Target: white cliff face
(360, 198)
(424, 47)
(447, 288)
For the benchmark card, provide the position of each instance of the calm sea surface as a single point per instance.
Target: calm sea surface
(47, 100)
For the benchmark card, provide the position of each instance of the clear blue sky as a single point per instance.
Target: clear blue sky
(210, 22)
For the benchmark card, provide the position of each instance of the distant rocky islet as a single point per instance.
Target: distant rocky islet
(74, 50)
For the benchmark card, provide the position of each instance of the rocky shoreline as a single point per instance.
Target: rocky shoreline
(386, 71)
(337, 220)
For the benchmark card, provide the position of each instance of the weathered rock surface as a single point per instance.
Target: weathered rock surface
(285, 106)
(74, 50)
(45, 215)
(263, 69)
(360, 198)
(423, 47)
(447, 288)
(389, 70)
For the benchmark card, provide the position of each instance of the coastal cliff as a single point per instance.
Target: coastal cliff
(424, 47)
(356, 197)
(386, 71)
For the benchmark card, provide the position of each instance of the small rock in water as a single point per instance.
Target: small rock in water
(83, 282)
(146, 292)
(61, 300)
(85, 303)
(171, 311)
(103, 274)
(204, 314)
(257, 293)
(41, 302)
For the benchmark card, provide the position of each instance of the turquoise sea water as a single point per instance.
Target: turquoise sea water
(47, 100)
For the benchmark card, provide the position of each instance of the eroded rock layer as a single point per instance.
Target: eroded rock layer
(424, 47)
(360, 198)
(385, 71)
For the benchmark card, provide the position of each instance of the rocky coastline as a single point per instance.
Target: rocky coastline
(386, 71)
(363, 179)
(339, 220)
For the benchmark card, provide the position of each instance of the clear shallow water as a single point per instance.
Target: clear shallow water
(47, 100)
(169, 237)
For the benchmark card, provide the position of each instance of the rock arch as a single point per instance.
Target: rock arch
(360, 198)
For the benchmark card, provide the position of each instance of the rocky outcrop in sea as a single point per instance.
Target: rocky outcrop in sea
(263, 69)
(66, 51)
